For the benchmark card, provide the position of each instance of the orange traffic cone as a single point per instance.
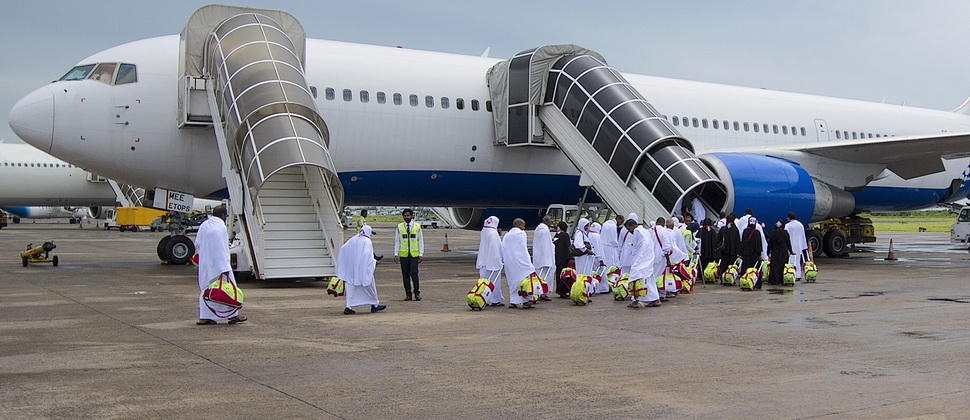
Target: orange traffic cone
(444, 248)
(891, 256)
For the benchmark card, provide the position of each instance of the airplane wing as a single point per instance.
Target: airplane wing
(908, 157)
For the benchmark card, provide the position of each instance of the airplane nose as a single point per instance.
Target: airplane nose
(32, 118)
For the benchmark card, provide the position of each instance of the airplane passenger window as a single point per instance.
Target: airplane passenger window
(103, 73)
(364, 96)
(413, 100)
(746, 127)
(736, 126)
(774, 128)
(381, 97)
(329, 94)
(474, 104)
(397, 99)
(755, 127)
(715, 122)
(78, 72)
(704, 123)
(676, 121)
(429, 101)
(128, 74)
(488, 106)
(845, 135)
(313, 91)
(725, 124)
(854, 136)
(794, 131)
(803, 131)
(764, 128)
(445, 103)
(348, 95)
(694, 121)
(838, 135)
(459, 103)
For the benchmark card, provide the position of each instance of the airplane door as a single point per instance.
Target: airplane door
(821, 130)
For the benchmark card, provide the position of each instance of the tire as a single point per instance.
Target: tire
(162, 248)
(54, 261)
(24, 260)
(180, 249)
(814, 238)
(834, 244)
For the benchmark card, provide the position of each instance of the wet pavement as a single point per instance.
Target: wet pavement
(110, 333)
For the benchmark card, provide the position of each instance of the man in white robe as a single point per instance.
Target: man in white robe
(212, 245)
(584, 263)
(697, 210)
(672, 252)
(599, 265)
(355, 266)
(518, 264)
(489, 262)
(799, 244)
(625, 254)
(544, 253)
(647, 263)
(608, 240)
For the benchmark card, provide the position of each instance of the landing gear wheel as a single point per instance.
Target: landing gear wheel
(162, 248)
(814, 238)
(180, 249)
(54, 261)
(834, 244)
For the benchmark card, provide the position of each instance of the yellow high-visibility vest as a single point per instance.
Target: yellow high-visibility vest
(408, 245)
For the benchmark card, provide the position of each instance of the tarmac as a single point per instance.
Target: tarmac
(110, 333)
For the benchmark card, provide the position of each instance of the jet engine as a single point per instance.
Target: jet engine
(772, 187)
(473, 218)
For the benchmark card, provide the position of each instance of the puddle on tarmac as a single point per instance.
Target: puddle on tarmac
(921, 335)
(784, 292)
(863, 294)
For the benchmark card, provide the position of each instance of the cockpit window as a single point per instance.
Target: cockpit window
(104, 73)
(78, 73)
(126, 74)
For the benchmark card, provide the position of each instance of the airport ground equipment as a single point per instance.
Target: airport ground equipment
(39, 254)
(134, 218)
(242, 73)
(960, 231)
(566, 96)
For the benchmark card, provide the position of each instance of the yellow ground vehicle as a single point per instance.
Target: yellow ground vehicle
(132, 218)
(39, 254)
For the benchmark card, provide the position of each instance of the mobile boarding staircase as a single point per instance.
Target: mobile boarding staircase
(243, 74)
(567, 96)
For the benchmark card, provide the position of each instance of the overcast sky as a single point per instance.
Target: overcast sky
(902, 52)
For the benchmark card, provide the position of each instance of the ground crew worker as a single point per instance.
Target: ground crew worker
(409, 251)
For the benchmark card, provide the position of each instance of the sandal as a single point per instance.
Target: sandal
(206, 322)
(237, 319)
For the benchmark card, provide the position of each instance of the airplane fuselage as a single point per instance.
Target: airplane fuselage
(424, 150)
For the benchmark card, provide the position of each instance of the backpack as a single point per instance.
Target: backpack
(478, 294)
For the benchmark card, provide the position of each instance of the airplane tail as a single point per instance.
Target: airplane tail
(964, 108)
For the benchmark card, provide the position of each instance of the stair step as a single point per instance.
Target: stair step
(297, 272)
(295, 253)
(288, 235)
(290, 226)
(303, 217)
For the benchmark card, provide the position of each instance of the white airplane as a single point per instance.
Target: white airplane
(400, 126)
(35, 184)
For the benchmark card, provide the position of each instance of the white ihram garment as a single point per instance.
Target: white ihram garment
(489, 262)
(518, 265)
(648, 262)
(212, 245)
(796, 231)
(355, 266)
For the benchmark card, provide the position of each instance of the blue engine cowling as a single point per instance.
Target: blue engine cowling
(772, 187)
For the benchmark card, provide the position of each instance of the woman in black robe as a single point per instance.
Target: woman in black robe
(708, 237)
(779, 249)
(750, 246)
(562, 242)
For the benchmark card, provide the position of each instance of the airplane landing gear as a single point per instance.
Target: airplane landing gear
(176, 249)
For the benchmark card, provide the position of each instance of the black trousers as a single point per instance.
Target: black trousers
(409, 273)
